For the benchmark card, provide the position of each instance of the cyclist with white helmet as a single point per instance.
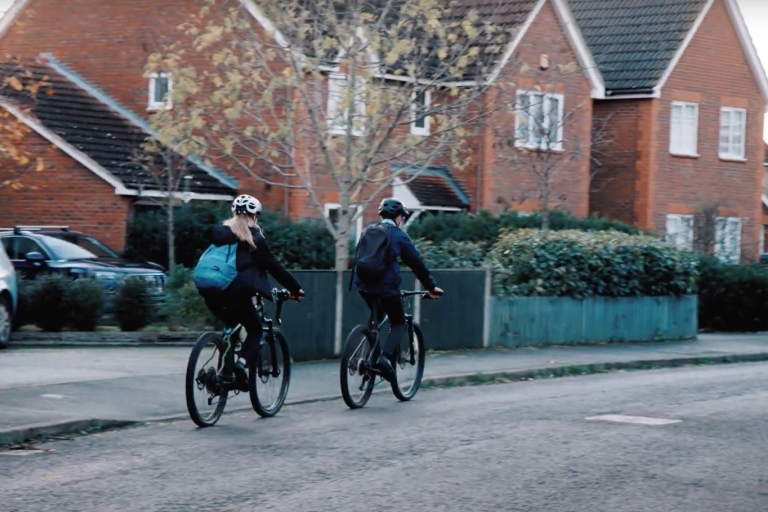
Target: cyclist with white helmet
(254, 259)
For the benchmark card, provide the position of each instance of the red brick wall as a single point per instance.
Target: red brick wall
(714, 73)
(509, 181)
(65, 193)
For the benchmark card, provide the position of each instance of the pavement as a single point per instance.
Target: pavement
(53, 388)
(682, 440)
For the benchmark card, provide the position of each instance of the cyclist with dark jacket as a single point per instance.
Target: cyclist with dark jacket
(254, 259)
(384, 293)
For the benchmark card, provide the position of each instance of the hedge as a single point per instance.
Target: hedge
(484, 228)
(54, 302)
(733, 298)
(307, 245)
(579, 264)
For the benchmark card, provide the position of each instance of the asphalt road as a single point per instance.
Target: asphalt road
(514, 447)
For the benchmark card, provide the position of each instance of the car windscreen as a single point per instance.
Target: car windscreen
(99, 249)
(63, 250)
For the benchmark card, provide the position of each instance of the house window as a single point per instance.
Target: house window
(332, 211)
(680, 231)
(539, 120)
(684, 129)
(728, 239)
(343, 109)
(733, 125)
(160, 85)
(419, 107)
(764, 239)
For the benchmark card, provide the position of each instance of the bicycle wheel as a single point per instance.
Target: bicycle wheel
(269, 376)
(202, 381)
(354, 360)
(409, 365)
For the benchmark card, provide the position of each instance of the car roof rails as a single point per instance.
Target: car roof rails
(19, 229)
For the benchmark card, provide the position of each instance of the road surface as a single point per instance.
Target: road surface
(512, 447)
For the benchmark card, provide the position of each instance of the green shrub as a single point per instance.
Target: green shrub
(484, 227)
(582, 264)
(452, 254)
(186, 304)
(84, 300)
(306, 245)
(132, 305)
(733, 298)
(25, 307)
(47, 298)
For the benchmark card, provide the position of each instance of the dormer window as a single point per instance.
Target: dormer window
(160, 85)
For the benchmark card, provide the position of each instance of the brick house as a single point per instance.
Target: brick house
(685, 95)
(630, 95)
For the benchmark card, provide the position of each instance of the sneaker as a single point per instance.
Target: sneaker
(385, 367)
(241, 377)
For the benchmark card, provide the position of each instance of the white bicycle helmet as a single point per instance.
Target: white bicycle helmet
(246, 204)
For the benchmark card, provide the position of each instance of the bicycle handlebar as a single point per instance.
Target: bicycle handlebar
(424, 294)
(280, 297)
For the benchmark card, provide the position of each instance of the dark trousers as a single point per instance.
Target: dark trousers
(235, 308)
(394, 309)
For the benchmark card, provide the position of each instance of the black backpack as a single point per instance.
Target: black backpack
(372, 255)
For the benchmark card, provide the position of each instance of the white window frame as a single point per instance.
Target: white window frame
(420, 130)
(523, 116)
(728, 130)
(337, 123)
(763, 228)
(358, 222)
(726, 226)
(680, 231)
(677, 127)
(157, 105)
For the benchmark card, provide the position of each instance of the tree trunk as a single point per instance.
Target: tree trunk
(171, 239)
(342, 262)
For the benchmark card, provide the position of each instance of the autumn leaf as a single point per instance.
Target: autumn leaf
(15, 83)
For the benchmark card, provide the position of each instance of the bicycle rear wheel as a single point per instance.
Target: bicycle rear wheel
(409, 365)
(269, 376)
(354, 361)
(202, 380)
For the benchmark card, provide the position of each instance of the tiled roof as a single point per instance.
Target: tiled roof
(633, 41)
(504, 16)
(94, 129)
(436, 189)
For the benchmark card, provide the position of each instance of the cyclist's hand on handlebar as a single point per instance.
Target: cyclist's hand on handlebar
(298, 296)
(435, 293)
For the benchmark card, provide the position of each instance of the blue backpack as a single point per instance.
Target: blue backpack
(217, 268)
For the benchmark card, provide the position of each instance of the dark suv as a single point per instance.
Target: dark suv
(34, 250)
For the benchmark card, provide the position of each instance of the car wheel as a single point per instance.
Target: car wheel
(5, 322)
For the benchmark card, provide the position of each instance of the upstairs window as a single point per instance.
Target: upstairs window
(420, 102)
(733, 126)
(539, 120)
(160, 86)
(684, 129)
(342, 109)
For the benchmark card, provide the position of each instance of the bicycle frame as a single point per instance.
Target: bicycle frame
(375, 329)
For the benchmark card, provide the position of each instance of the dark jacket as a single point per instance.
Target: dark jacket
(253, 265)
(400, 246)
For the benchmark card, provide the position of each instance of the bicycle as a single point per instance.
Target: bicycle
(263, 370)
(362, 350)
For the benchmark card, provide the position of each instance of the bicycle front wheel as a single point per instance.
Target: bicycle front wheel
(409, 365)
(269, 376)
(206, 395)
(355, 360)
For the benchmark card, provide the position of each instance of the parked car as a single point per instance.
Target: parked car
(38, 250)
(8, 297)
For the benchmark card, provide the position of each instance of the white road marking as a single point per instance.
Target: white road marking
(55, 397)
(639, 420)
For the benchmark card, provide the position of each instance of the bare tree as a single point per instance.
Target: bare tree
(324, 105)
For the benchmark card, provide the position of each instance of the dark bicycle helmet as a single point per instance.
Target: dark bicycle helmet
(390, 208)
